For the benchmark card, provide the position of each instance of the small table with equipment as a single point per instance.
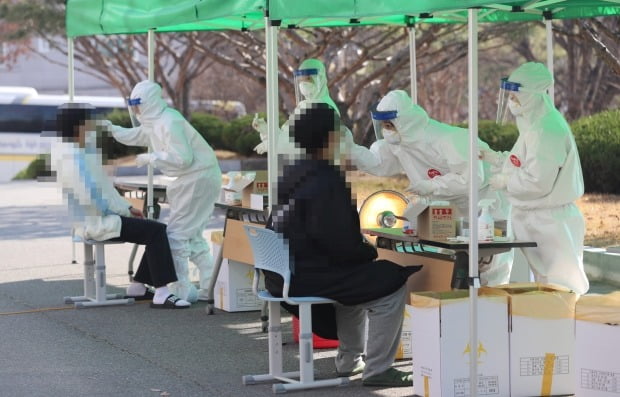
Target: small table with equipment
(396, 240)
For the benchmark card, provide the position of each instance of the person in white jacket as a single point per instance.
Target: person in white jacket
(310, 81)
(179, 151)
(434, 156)
(541, 176)
(99, 212)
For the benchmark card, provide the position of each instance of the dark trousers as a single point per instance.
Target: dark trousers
(156, 267)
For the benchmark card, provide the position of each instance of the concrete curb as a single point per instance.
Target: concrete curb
(602, 265)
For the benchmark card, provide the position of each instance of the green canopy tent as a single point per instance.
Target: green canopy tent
(114, 16)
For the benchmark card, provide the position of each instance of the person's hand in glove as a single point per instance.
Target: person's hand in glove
(498, 181)
(144, 159)
(262, 147)
(104, 124)
(491, 157)
(260, 125)
(422, 188)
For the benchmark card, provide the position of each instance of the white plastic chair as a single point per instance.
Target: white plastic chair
(94, 278)
(271, 253)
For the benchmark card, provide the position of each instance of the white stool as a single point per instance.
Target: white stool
(94, 278)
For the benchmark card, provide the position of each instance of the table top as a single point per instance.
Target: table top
(239, 208)
(160, 182)
(397, 234)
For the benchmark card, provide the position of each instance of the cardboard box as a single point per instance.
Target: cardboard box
(260, 185)
(542, 340)
(437, 222)
(436, 275)
(441, 346)
(233, 288)
(597, 351)
(236, 244)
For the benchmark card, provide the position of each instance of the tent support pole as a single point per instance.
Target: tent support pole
(474, 280)
(549, 29)
(71, 69)
(151, 75)
(412, 65)
(271, 40)
(71, 93)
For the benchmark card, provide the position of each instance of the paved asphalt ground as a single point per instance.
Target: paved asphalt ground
(48, 348)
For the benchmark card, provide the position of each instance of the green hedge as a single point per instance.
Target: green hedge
(598, 140)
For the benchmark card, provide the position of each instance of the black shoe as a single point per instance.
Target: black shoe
(390, 378)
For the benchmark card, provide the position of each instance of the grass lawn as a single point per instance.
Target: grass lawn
(600, 211)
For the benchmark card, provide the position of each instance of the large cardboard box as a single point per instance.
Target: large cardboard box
(597, 346)
(441, 346)
(542, 340)
(233, 288)
(437, 222)
(236, 244)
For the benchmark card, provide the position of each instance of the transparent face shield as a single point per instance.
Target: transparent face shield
(306, 84)
(507, 93)
(383, 121)
(132, 108)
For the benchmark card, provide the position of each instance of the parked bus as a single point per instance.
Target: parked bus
(23, 112)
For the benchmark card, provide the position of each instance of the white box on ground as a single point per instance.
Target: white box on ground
(441, 346)
(233, 288)
(597, 351)
(542, 340)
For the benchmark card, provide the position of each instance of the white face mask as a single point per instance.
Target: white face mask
(307, 89)
(515, 108)
(391, 136)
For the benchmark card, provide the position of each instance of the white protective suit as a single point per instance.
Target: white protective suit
(178, 150)
(320, 95)
(94, 203)
(542, 179)
(438, 153)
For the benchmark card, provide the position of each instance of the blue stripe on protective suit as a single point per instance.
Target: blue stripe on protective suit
(91, 187)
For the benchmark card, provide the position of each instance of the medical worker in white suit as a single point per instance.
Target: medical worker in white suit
(310, 82)
(179, 151)
(541, 176)
(435, 158)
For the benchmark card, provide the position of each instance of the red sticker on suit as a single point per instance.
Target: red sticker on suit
(433, 173)
(515, 160)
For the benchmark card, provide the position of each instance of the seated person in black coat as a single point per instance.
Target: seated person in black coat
(330, 258)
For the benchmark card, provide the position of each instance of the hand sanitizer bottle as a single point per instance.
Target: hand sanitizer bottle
(486, 225)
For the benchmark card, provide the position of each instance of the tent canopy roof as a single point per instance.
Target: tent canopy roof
(90, 17)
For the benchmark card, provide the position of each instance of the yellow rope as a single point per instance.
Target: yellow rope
(45, 309)
(49, 309)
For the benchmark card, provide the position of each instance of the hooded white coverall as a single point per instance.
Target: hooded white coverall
(542, 179)
(320, 95)
(178, 150)
(436, 152)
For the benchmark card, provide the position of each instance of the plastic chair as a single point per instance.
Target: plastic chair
(94, 278)
(271, 253)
